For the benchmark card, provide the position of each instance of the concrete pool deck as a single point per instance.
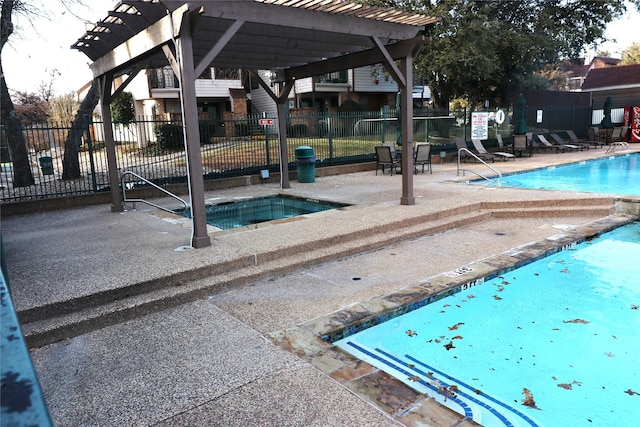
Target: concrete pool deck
(144, 332)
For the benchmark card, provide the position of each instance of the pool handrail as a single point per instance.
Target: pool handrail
(168, 193)
(612, 147)
(464, 150)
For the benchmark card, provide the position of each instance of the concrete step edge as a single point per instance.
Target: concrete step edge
(60, 326)
(109, 311)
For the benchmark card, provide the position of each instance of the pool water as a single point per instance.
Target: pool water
(553, 343)
(612, 175)
(253, 211)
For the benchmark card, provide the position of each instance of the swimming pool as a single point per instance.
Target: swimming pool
(553, 343)
(611, 175)
(239, 213)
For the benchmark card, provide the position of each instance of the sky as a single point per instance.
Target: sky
(34, 53)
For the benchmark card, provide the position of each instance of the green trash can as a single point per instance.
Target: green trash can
(306, 161)
(46, 165)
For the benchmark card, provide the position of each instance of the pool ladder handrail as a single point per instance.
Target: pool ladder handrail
(141, 178)
(612, 147)
(461, 150)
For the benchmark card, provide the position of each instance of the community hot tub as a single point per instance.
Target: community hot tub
(239, 213)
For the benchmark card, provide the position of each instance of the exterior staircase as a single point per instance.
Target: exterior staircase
(61, 320)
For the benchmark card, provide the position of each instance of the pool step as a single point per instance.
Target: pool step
(63, 320)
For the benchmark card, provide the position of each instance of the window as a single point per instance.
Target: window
(161, 78)
(227, 74)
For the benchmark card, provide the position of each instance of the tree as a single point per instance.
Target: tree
(70, 160)
(63, 109)
(631, 55)
(12, 124)
(30, 108)
(22, 175)
(491, 49)
(555, 77)
(46, 87)
(525, 35)
(122, 109)
(458, 61)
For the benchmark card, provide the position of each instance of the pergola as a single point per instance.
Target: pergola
(292, 38)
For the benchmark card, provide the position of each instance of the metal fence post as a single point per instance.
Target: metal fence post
(464, 129)
(266, 141)
(330, 121)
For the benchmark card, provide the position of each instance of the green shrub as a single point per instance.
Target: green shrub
(122, 109)
(169, 137)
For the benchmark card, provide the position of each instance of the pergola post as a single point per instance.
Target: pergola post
(200, 238)
(281, 99)
(284, 88)
(282, 144)
(106, 81)
(406, 99)
(403, 76)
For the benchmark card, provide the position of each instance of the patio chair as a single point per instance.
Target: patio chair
(559, 141)
(396, 154)
(384, 157)
(575, 140)
(562, 145)
(460, 143)
(543, 144)
(422, 157)
(481, 150)
(616, 135)
(593, 136)
(501, 143)
(521, 143)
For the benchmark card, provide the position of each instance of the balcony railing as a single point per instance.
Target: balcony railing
(336, 77)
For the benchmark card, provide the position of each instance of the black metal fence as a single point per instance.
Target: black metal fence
(154, 149)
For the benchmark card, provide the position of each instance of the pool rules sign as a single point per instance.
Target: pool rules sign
(479, 125)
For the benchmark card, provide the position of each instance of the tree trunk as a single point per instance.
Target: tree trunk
(441, 95)
(22, 175)
(70, 161)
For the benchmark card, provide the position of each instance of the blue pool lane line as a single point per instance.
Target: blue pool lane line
(399, 365)
(470, 397)
(467, 410)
